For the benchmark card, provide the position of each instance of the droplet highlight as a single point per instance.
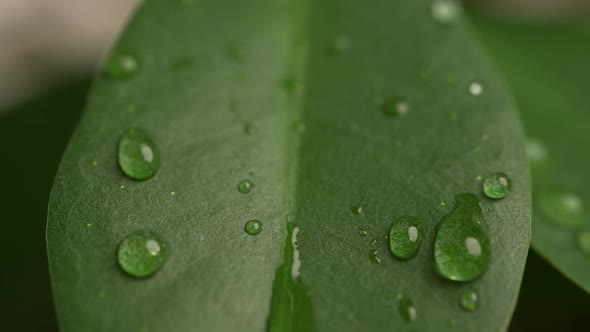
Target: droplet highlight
(121, 65)
(407, 310)
(497, 186)
(142, 254)
(461, 248)
(405, 237)
(562, 208)
(245, 186)
(253, 227)
(470, 300)
(446, 11)
(138, 155)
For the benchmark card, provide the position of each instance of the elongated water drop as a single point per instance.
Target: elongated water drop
(562, 208)
(142, 254)
(461, 247)
(253, 227)
(470, 300)
(405, 237)
(121, 65)
(407, 309)
(497, 186)
(139, 157)
(245, 186)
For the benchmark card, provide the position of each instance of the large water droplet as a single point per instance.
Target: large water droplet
(142, 254)
(394, 106)
(253, 227)
(405, 237)
(446, 11)
(245, 186)
(121, 65)
(497, 186)
(584, 242)
(470, 300)
(461, 248)
(564, 209)
(407, 309)
(139, 157)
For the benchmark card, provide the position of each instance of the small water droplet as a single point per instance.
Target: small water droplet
(476, 88)
(245, 186)
(562, 208)
(584, 242)
(363, 232)
(356, 209)
(253, 227)
(470, 300)
(395, 106)
(497, 186)
(142, 254)
(374, 256)
(121, 65)
(446, 11)
(341, 44)
(461, 247)
(138, 156)
(373, 242)
(405, 237)
(535, 151)
(407, 309)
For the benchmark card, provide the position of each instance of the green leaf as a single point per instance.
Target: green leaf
(33, 137)
(281, 93)
(546, 65)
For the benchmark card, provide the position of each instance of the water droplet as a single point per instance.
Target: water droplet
(142, 254)
(139, 158)
(121, 65)
(362, 232)
(245, 186)
(341, 44)
(476, 88)
(356, 209)
(374, 257)
(497, 186)
(446, 11)
(470, 300)
(405, 237)
(407, 309)
(395, 106)
(461, 247)
(535, 151)
(584, 241)
(564, 209)
(253, 227)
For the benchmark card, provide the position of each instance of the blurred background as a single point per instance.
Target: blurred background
(49, 51)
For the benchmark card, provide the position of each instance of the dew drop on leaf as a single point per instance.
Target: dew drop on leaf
(374, 256)
(121, 65)
(476, 88)
(562, 208)
(470, 300)
(138, 155)
(497, 186)
(405, 237)
(142, 254)
(356, 209)
(446, 11)
(362, 232)
(394, 106)
(461, 247)
(407, 309)
(253, 227)
(245, 186)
